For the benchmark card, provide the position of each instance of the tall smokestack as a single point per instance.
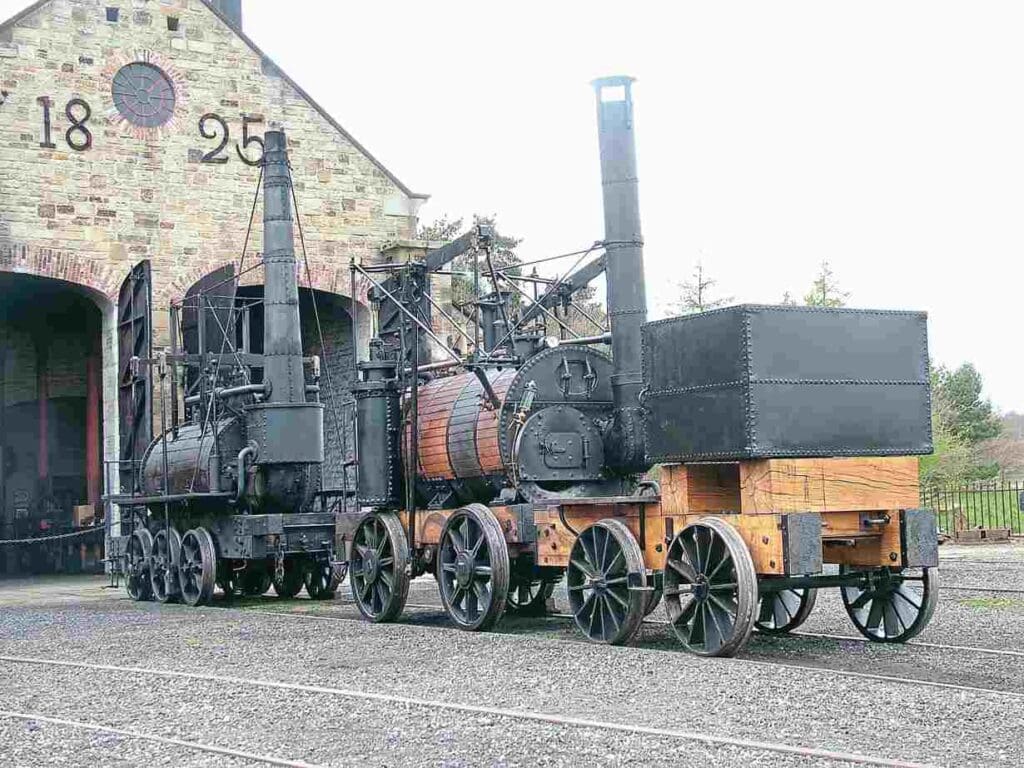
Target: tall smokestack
(627, 302)
(232, 9)
(282, 340)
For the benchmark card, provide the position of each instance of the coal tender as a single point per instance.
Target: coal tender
(225, 496)
(714, 463)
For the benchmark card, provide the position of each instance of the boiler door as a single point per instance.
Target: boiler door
(560, 443)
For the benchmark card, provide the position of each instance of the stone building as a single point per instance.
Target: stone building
(130, 135)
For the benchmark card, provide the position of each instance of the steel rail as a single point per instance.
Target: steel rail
(782, 665)
(477, 709)
(795, 633)
(195, 745)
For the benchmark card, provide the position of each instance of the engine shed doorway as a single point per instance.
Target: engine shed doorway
(51, 424)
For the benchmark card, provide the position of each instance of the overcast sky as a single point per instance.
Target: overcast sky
(885, 137)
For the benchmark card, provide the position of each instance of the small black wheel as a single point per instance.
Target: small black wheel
(321, 579)
(605, 581)
(255, 580)
(710, 588)
(137, 565)
(379, 567)
(782, 612)
(163, 569)
(197, 569)
(290, 582)
(529, 597)
(889, 605)
(473, 568)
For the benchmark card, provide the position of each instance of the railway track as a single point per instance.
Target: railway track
(499, 712)
(757, 662)
(195, 746)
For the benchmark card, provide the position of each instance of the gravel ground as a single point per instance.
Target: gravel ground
(327, 730)
(528, 665)
(33, 744)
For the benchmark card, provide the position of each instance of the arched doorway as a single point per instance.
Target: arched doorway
(51, 421)
(244, 327)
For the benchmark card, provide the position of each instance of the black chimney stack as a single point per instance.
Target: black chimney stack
(627, 302)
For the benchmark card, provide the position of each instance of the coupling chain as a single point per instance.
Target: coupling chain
(56, 537)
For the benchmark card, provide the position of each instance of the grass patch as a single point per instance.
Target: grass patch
(992, 602)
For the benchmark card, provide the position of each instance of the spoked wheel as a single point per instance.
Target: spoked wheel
(473, 568)
(289, 583)
(163, 568)
(528, 597)
(891, 606)
(710, 588)
(254, 580)
(198, 566)
(137, 564)
(321, 579)
(606, 566)
(782, 612)
(378, 568)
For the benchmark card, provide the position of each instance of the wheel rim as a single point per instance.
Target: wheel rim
(164, 565)
(473, 568)
(377, 568)
(783, 611)
(527, 596)
(890, 606)
(710, 588)
(137, 560)
(604, 564)
(198, 565)
(291, 580)
(320, 580)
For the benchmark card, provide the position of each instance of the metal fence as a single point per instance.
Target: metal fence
(987, 505)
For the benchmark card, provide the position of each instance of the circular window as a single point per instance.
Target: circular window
(143, 95)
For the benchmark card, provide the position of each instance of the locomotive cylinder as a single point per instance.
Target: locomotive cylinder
(378, 427)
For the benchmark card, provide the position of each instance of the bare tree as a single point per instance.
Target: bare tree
(697, 295)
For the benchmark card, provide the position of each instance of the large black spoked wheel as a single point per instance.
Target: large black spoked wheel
(197, 569)
(891, 606)
(473, 568)
(137, 565)
(163, 567)
(783, 611)
(710, 588)
(288, 583)
(379, 567)
(529, 597)
(321, 579)
(605, 581)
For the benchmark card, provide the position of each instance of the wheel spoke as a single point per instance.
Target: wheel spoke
(863, 599)
(618, 598)
(584, 567)
(611, 612)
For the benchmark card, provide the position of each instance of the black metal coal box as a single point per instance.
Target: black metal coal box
(785, 382)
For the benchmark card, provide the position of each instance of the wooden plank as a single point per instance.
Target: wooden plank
(825, 485)
(430, 523)
(713, 488)
(876, 550)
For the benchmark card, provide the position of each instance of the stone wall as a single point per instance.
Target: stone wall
(145, 193)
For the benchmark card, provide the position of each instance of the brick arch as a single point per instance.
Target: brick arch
(100, 281)
(329, 278)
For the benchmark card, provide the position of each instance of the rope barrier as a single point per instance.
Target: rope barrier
(56, 537)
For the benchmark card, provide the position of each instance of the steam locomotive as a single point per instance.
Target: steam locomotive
(714, 462)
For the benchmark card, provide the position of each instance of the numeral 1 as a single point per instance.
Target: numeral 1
(47, 142)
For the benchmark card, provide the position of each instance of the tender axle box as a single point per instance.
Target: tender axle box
(786, 382)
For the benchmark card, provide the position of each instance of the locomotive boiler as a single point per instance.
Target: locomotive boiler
(714, 462)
